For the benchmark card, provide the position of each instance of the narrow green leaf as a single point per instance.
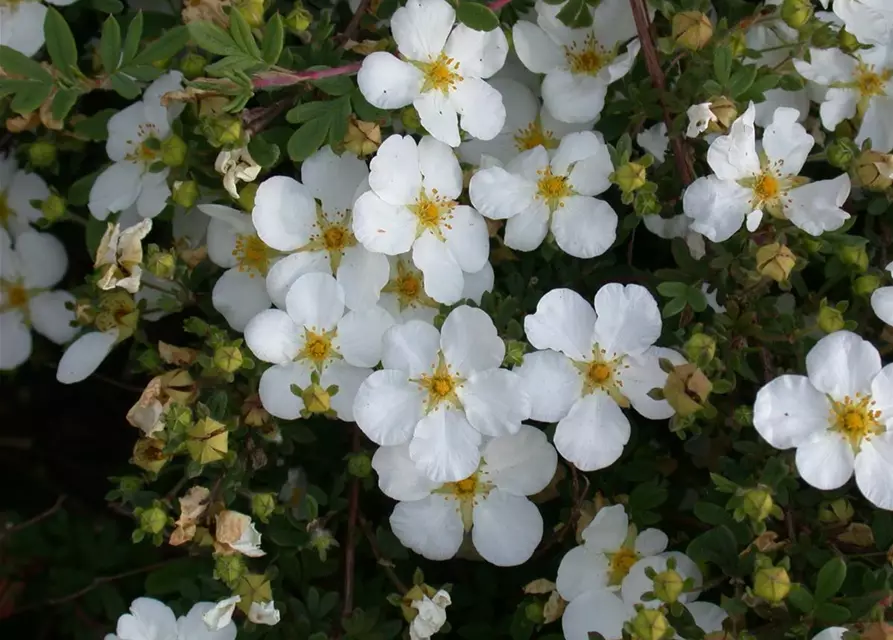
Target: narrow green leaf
(274, 38)
(569, 11)
(307, 111)
(125, 86)
(96, 126)
(673, 307)
(110, 45)
(722, 64)
(241, 33)
(308, 138)
(143, 73)
(831, 577)
(17, 64)
(338, 120)
(30, 96)
(212, 38)
(229, 64)
(63, 102)
(477, 16)
(60, 42)
(831, 614)
(167, 46)
(132, 39)
(672, 289)
(742, 79)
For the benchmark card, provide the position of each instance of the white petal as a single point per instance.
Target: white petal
(831, 633)
(362, 275)
(734, 156)
(478, 283)
(753, 220)
(15, 340)
(789, 410)
(839, 105)
(827, 66)
(523, 463)
(387, 82)
(438, 116)
(628, 320)
(470, 342)
(388, 407)
(467, 239)
(395, 171)
(817, 207)
(593, 433)
(622, 64)
(443, 277)
(786, 142)
(825, 461)
(480, 53)
(284, 273)
(775, 98)
(411, 347)
(563, 322)
(84, 356)
(882, 394)
(239, 296)
(115, 189)
(284, 213)
(874, 470)
(43, 259)
(584, 227)
(50, 318)
(642, 374)
(586, 156)
(537, 51)
(445, 446)
(498, 194)
(651, 542)
(166, 83)
(480, 107)
(220, 614)
(264, 613)
(21, 27)
(551, 383)
(877, 124)
(717, 207)
(613, 22)
(221, 243)
(608, 530)
(882, 304)
(193, 626)
(507, 528)
(597, 611)
(21, 190)
(573, 98)
(274, 337)
(348, 379)
(382, 227)
(582, 569)
(654, 140)
(527, 230)
(398, 477)
(315, 301)
(420, 28)
(494, 401)
(360, 335)
(431, 527)
(333, 179)
(871, 22)
(126, 131)
(842, 364)
(441, 173)
(148, 619)
(707, 615)
(154, 192)
(275, 389)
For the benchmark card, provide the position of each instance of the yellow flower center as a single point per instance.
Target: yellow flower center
(621, 562)
(441, 75)
(465, 488)
(871, 83)
(766, 187)
(15, 296)
(6, 211)
(552, 189)
(317, 347)
(440, 385)
(600, 374)
(433, 212)
(252, 254)
(855, 419)
(407, 286)
(335, 238)
(533, 135)
(589, 58)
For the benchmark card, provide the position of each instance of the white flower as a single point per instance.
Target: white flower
(21, 24)
(579, 63)
(527, 124)
(654, 140)
(433, 518)
(699, 118)
(319, 236)
(871, 21)
(264, 613)
(234, 532)
(747, 183)
(222, 613)
(442, 72)
(441, 392)
(236, 165)
(134, 146)
(412, 205)
(775, 98)
(17, 189)
(314, 335)
(637, 583)
(536, 195)
(28, 301)
(860, 84)
(593, 363)
(150, 619)
(831, 633)
(121, 253)
(882, 301)
(678, 226)
(233, 243)
(431, 615)
(610, 548)
(839, 417)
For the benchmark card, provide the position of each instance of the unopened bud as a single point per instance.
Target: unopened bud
(796, 13)
(226, 131)
(53, 207)
(316, 399)
(841, 153)
(162, 264)
(687, 389)
(42, 154)
(668, 586)
(847, 41)
(229, 569)
(836, 512)
(700, 349)
(869, 171)
(246, 196)
(650, 624)
(193, 65)
(363, 138)
(854, 256)
(630, 177)
(775, 261)
(153, 520)
(757, 504)
(725, 111)
(263, 505)
(692, 30)
(252, 11)
(772, 584)
(185, 193)
(228, 359)
(410, 119)
(359, 465)
(830, 319)
(865, 285)
(298, 19)
(173, 151)
(738, 44)
(534, 612)
(514, 352)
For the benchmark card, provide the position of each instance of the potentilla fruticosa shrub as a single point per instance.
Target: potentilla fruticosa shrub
(566, 319)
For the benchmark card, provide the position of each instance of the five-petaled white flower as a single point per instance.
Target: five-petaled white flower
(21, 24)
(150, 619)
(839, 417)
(592, 363)
(746, 183)
(536, 194)
(319, 237)
(28, 274)
(432, 518)
(882, 301)
(441, 392)
(637, 583)
(442, 74)
(314, 335)
(137, 176)
(859, 84)
(611, 546)
(412, 205)
(579, 63)
(871, 21)
(18, 188)
(431, 615)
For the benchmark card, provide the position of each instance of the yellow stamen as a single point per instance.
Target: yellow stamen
(433, 213)
(533, 135)
(441, 75)
(317, 347)
(552, 189)
(766, 187)
(252, 254)
(589, 58)
(16, 296)
(871, 83)
(855, 419)
(621, 562)
(441, 386)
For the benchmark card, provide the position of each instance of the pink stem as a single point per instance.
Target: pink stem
(283, 79)
(496, 5)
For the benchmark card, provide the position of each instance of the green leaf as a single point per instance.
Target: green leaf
(831, 577)
(93, 234)
(334, 86)
(79, 193)
(108, 6)
(673, 307)
(742, 79)
(96, 126)
(125, 86)
(646, 496)
(882, 528)
(574, 13)
(717, 546)
(266, 154)
(830, 613)
(307, 111)
(241, 33)
(30, 96)
(722, 64)
(60, 42)
(230, 64)
(132, 39)
(477, 16)
(20, 65)
(274, 38)
(307, 139)
(110, 45)
(166, 580)
(801, 598)
(711, 513)
(672, 289)
(63, 102)
(696, 299)
(212, 38)
(167, 46)
(338, 120)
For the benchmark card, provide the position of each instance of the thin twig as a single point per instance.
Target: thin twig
(257, 119)
(652, 63)
(496, 5)
(353, 508)
(40, 516)
(383, 562)
(285, 78)
(351, 29)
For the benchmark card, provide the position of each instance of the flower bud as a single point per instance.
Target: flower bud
(298, 19)
(738, 44)
(229, 569)
(847, 41)
(149, 455)
(650, 624)
(162, 264)
(865, 285)
(630, 177)
(841, 153)
(854, 256)
(692, 30)
(53, 207)
(796, 13)
(193, 65)
(42, 154)
(775, 261)
(514, 352)
(725, 111)
(253, 412)
(252, 11)
(225, 130)
(128, 485)
(228, 359)
(263, 505)
(363, 138)
(153, 520)
(743, 416)
(117, 311)
(359, 465)
(173, 150)
(836, 512)
(868, 173)
(668, 586)
(253, 587)
(316, 399)
(322, 540)
(246, 196)
(700, 349)
(687, 389)
(757, 504)
(208, 441)
(410, 119)
(772, 584)
(830, 319)
(185, 193)
(534, 612)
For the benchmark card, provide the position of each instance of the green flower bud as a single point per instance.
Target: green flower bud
(410, 119)
(229, 569)
(153, 520)
(775, 261)
(796, 13)
(830, 319)
(228, 359)
(841, 153)
(224, 130)
(53, 207)
(316, 399)
(836, 512)
(847, 41)
(738, 44)
(128, 485)
(514, 352)
(185, 193)
(700, 349)
(687, 389)
(161, 263)
(534, 612)
(650, 624)
(757, 504)
(298, 19)
(772, 584)
(668, 586)
(263, 505)
(252, 11)
(178, 418)
(42, 154)
(630, 177)
(865, 285)
(360, 465)
(193, 65)
(173, 151)
(246, 196)
(854, 256)
(692, 30)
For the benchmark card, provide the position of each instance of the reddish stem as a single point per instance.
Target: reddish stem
(496, 5)
(287, 78)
